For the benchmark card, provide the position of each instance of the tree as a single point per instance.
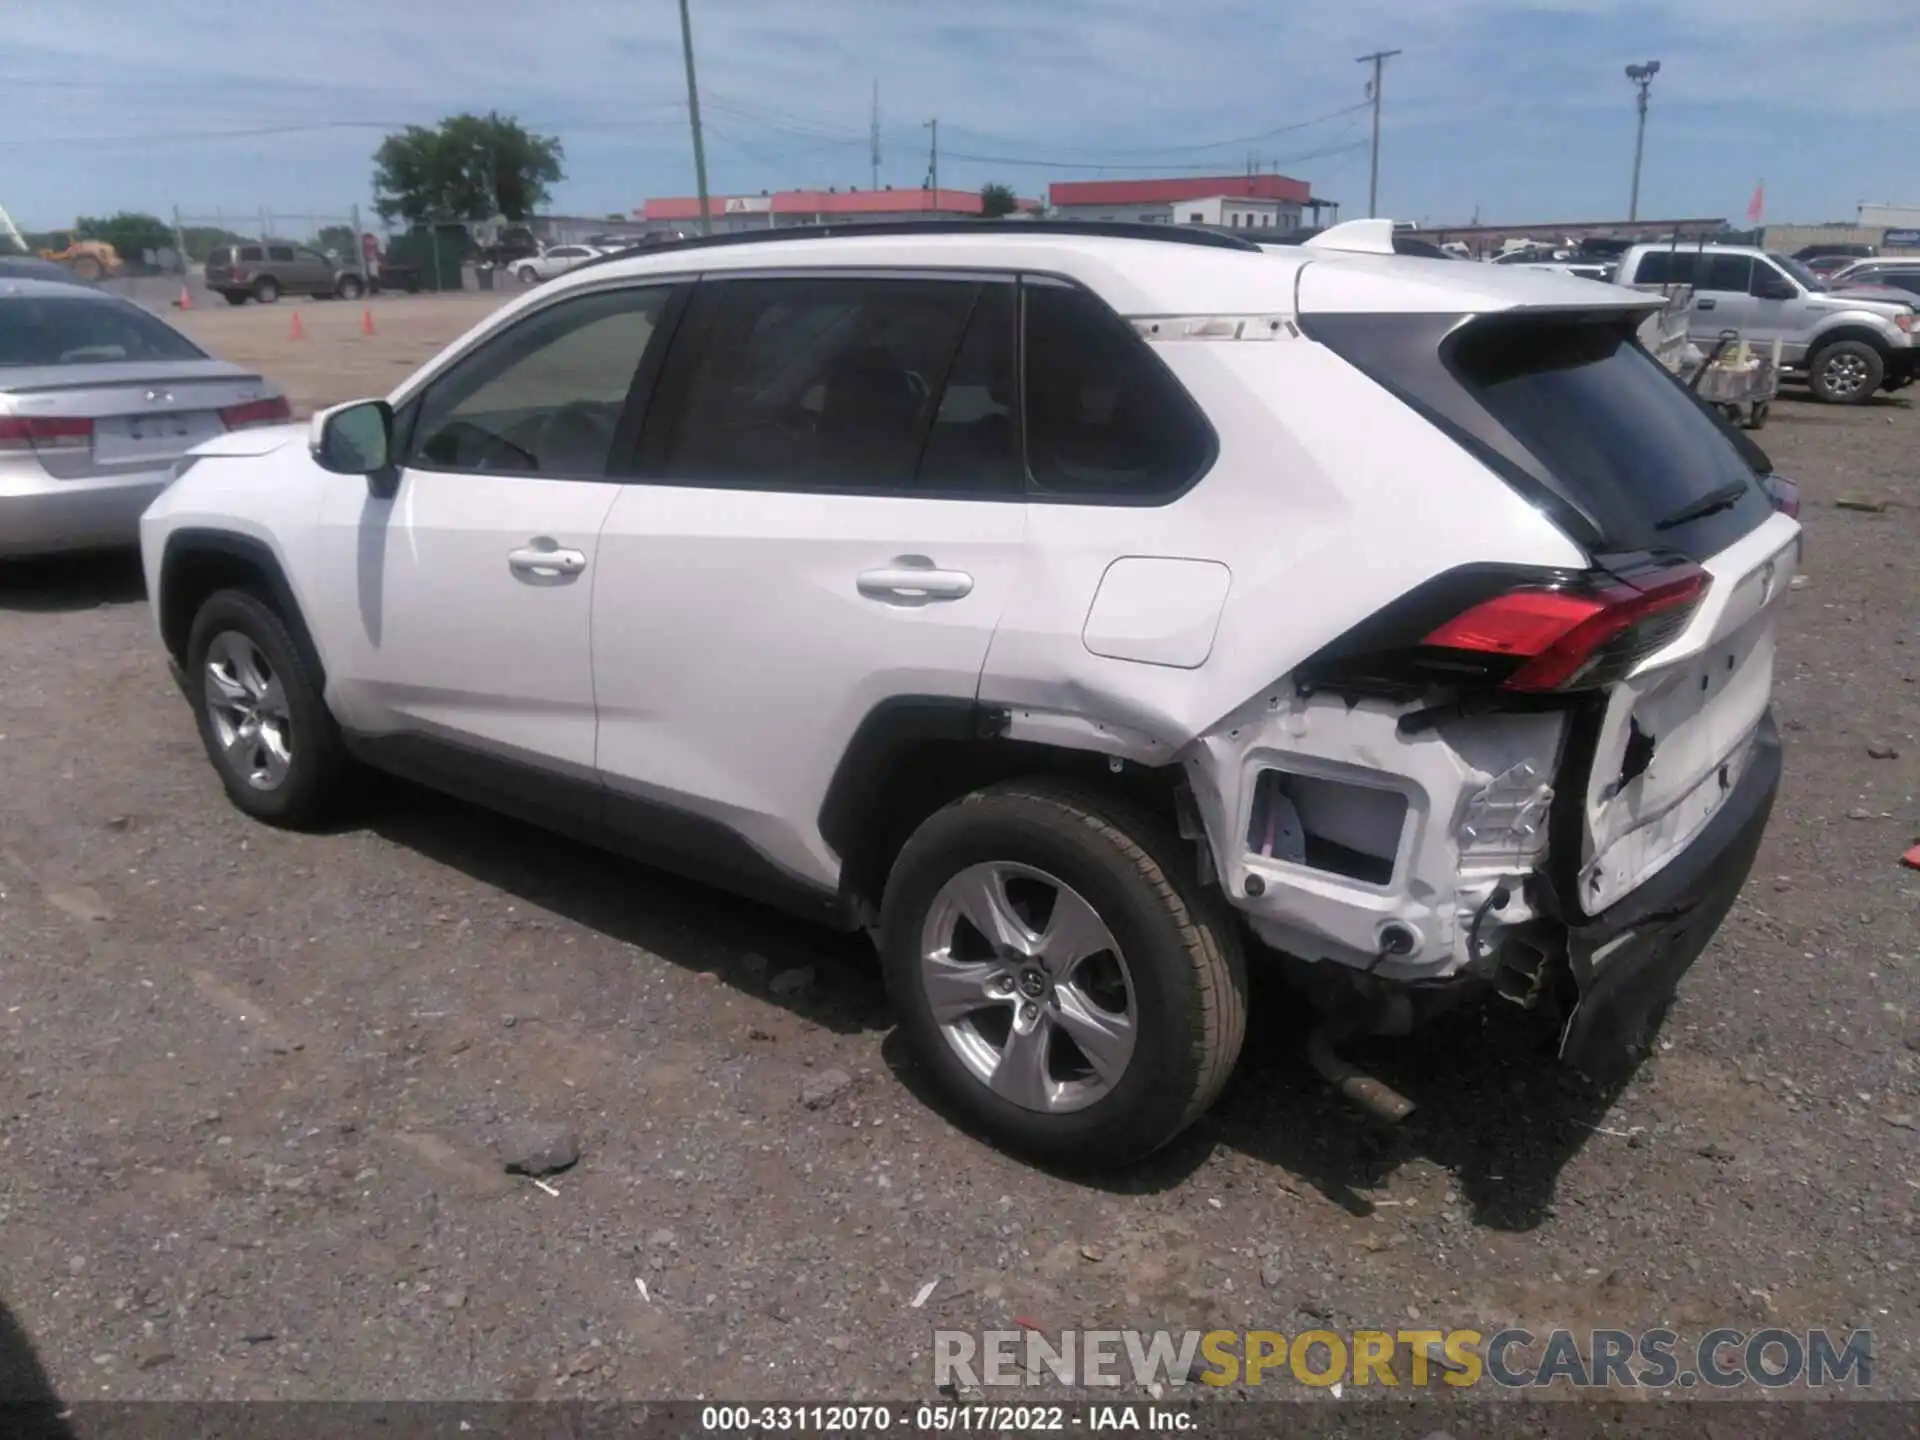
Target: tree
(131, 232)
(340, 239)
(201, 240)
(996, 201)
(470, 167)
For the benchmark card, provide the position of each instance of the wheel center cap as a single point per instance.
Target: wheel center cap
(1033, 984)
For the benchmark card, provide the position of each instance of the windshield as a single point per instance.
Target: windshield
(38, 330)
(1798, 271)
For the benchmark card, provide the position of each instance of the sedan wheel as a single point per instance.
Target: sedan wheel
(248, 707)
(1028, 987)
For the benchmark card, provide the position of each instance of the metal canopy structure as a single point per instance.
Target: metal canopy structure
(1693, 229)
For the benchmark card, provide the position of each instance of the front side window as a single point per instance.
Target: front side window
(814, 384)
(543, 397)
(1105, 419)
(1731, 274)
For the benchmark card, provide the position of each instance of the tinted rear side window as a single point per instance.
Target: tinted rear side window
(803, 384)
(251, 252)
(1106, 421)
(56, 330)
(280, 252)
(220, 256)
(1570, 409)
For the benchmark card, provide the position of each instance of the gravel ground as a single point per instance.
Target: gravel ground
(256, 1089)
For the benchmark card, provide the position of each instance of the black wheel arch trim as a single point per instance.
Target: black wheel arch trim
(186, 545)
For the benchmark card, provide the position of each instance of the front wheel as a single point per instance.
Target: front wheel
(1076, 993)
(261, 716)
(350, 287)
(1847, 372)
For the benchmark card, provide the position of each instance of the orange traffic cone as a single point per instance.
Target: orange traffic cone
(299, 331)
(366, 320)
(185, 302)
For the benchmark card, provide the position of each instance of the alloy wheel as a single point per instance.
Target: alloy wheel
(247, 706)
(1029, 987)
(1846, 374)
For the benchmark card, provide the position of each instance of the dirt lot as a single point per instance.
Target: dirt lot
(332, 360)
(251, 1083)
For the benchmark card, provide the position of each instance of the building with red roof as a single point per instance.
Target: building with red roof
(1272, 202)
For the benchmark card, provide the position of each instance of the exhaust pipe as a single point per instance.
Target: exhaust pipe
(1376, 1097)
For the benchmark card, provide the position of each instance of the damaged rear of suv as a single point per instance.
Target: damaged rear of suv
(1544, 780)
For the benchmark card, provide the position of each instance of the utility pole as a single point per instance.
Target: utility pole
(693, 115)
(1378, 60)
(1642, 76)
(933, 164)
(873, 134)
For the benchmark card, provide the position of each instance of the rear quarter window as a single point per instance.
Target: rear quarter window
(1106, 422)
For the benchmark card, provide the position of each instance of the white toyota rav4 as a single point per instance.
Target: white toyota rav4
(1078, 609)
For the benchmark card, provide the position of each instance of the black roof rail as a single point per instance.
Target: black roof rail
(1107, 229)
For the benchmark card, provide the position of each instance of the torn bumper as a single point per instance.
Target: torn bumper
(1628, 960)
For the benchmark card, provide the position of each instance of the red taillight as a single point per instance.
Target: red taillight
(256, 412)
(45, 432)
(1784, 494)
(1568, 638)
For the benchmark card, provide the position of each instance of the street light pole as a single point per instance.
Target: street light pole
(693, 115)
(1378, 60)
(1642, 76)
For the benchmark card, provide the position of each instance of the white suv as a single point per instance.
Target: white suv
(1078, 609)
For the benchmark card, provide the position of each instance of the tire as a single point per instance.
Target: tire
(528, 275)
(236, 297)
(1182, 981)
(350, 288)
(1757, 417)
(89, 268)
(296, 768)
(1847, 372)
(266, 290)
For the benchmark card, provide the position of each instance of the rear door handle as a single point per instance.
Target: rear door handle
(914, 585)
(546, 564)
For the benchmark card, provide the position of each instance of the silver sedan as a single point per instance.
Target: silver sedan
(98, 399)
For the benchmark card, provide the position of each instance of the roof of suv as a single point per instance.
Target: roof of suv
(1143, 270)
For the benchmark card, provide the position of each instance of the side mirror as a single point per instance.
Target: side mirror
(357, 439)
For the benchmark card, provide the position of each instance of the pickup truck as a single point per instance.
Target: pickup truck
(1846, 345)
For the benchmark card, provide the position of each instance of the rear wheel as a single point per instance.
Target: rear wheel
(1074, 990)
(266, 290)
(350, 288)
(261, 716)
(1847, 372)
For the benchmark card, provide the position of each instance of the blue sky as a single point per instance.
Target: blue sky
(1517, 110)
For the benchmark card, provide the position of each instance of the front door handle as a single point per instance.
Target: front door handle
(546, 563)
(914, 585)
(1704, 304)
